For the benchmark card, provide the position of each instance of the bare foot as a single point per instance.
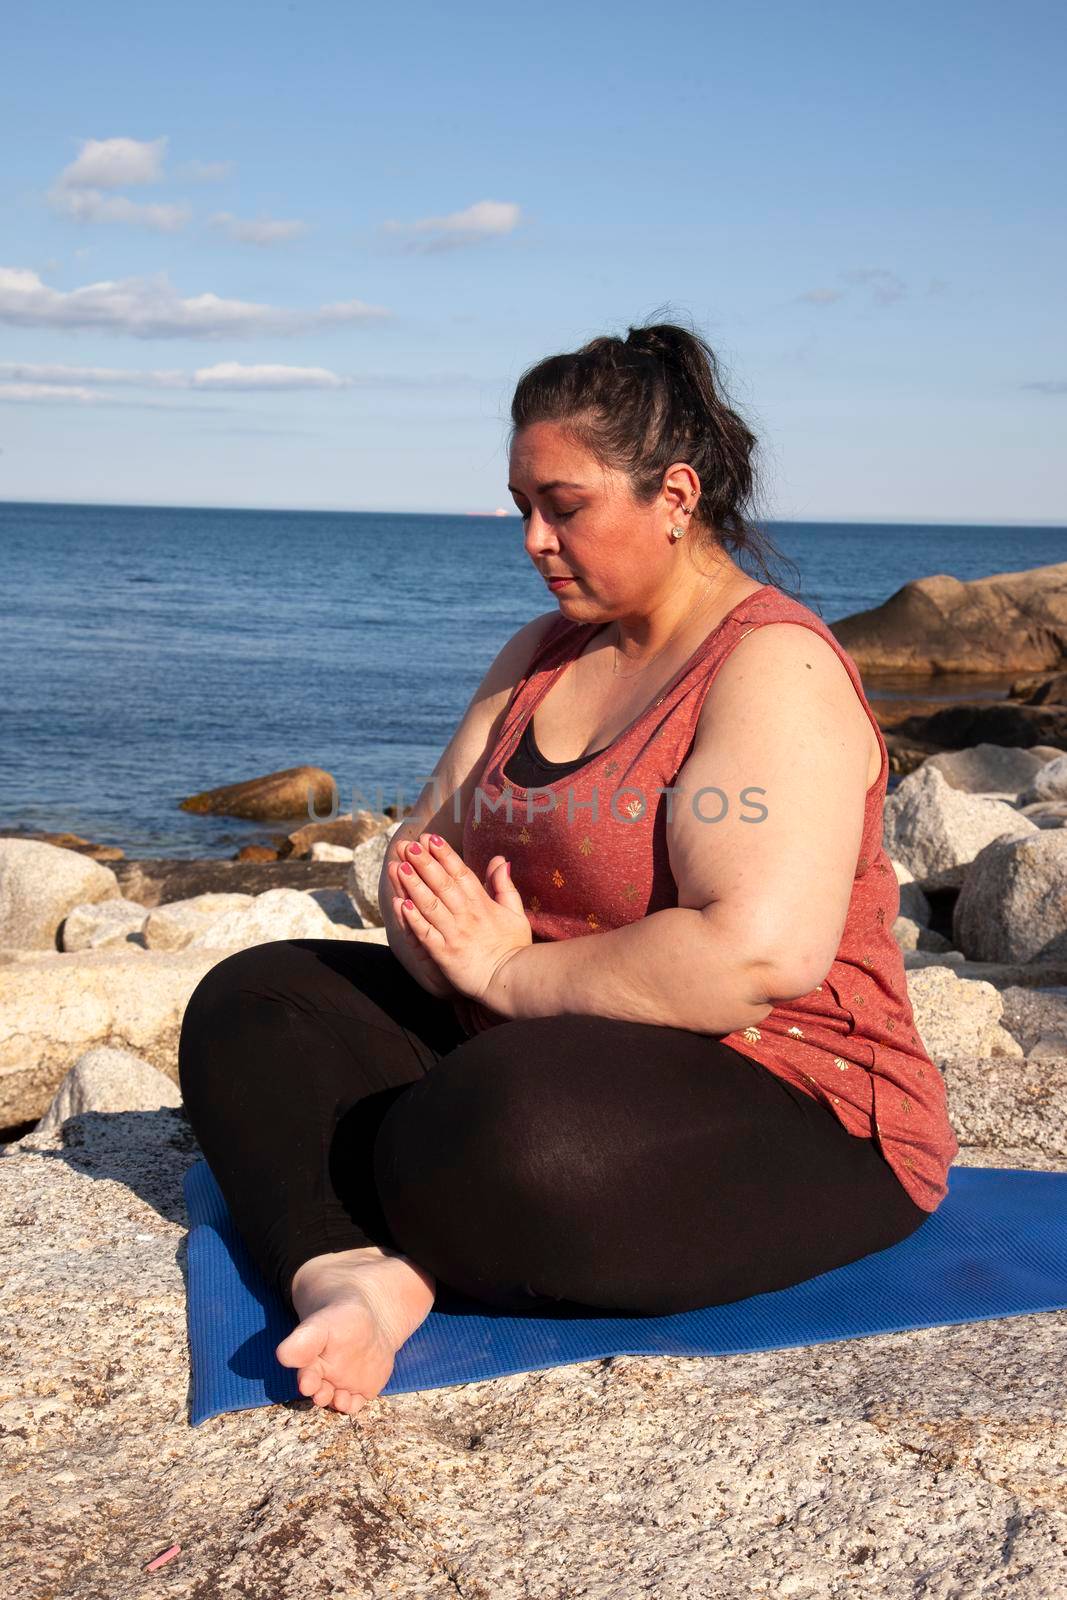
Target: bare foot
(357, 1308)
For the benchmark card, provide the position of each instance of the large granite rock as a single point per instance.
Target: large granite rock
(39, 884)
(162, 880)
(957, 1016)
(1013, 903)
(95, 926)
(279, 796)
(176, 924)
(988, 768)
(365, 874)
(1009, 622)
(936, 830)
(105, 1079)
(903, 1466)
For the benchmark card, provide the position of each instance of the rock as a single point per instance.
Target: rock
(1042, 690)
(1023, 1102)
(339, 906)
(958, 1017)
(278, 914)
(349, 831)
(1013, 903)
(257, 852)
(1003, 722)
(936, 831)
(39, 885)
(293, 792)
(1046, 813)
(320, 851)
(109, 1080)
(67, 841)
(986, 768)
(1031, 1014)
(1009, 622)
(107, 922)
(908, 1464)
(366, 870)
(911, 935)
(174, 926)
(55, 1007)
(913, 902)
(160, 882)
(1048, 783)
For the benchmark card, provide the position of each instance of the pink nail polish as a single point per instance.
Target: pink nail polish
(435, 838)
(414, 849)
(405, 866)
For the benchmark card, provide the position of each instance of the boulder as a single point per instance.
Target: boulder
(1041, 690)
(321, 851)
(55, 1007)
(278, 914)
(68, 841)
(162, 881)
(1048, 783)
(365, 874)
(39, 885)
(175, 925)
(293, 792)
(349, 831)
(257, 852)
(936, 831)
(1033, 1014)
(907, 1464)
(912, 935)
(1009, 622)
(109, 1080)
(956, 1016)
(106, 922)
(987, 768)
(1013, 903)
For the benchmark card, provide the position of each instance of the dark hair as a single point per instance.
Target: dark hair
(639, 403)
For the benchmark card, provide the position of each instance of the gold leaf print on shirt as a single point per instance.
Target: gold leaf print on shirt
(890, 1024)
(841, 1064)
(862, 864)
(906, 1104)
(629, 890)
(751, 1034)
(866, 960)
(558, 879)
(586, 846)
(818, 986)
(535, 904)
(611, 769)
(591, 918)
(857, 999)
(476, 822)
(525, 836)
(633, 807)
(795, 1032)
(909, 1163)
(880, 914)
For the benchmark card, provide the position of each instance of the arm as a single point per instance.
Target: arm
(762, 902)
(443, 800)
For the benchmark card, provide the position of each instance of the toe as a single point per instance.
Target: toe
(300, 1347)
(323, 1395)
(342, 1400)
(310, 1379)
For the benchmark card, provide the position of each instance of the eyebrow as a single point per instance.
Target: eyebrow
(543, 488)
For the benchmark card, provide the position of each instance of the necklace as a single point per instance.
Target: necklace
(659, 652)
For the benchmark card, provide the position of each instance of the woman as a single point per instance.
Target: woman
(721, 1094)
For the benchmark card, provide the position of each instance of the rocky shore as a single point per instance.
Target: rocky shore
(923, 1464)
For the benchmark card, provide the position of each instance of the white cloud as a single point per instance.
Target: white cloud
(885, 287)
(115, 164)
(262, 231)
(151, 308)
(204, 171)
(91, 205)
(223, 375)
(486, 219)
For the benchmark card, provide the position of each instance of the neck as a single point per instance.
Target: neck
(707, 597)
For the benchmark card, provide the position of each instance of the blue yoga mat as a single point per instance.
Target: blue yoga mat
(995, 1247)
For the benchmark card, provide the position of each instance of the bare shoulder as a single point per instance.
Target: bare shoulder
(769, 805)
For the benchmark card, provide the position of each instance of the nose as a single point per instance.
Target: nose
(539, 536)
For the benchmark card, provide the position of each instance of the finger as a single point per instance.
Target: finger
(431, 904)
(501, 887)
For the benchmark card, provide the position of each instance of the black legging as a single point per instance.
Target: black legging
(548, 1162)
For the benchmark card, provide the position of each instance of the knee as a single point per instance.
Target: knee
(212, 1013)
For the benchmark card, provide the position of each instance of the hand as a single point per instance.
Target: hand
(468, 933)
(402, 942)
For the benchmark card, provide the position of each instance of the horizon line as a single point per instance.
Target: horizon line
(495, 516)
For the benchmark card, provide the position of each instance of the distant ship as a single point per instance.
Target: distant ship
(501, 511)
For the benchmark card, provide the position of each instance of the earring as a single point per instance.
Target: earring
(676, 533)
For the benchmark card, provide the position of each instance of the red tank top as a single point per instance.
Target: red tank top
(852, 1042)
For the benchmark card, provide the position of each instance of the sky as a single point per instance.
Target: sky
(298, 255)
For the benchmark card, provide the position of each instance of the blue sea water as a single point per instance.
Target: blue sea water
(149, 653)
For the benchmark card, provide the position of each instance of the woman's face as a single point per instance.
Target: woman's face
(582, 521)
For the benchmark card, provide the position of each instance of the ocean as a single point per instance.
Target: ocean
(150, 653)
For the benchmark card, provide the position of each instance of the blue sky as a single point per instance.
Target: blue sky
(297, 255)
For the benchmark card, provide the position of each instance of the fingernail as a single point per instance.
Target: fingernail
(414, 849)
(435, 838)
(405, 866)
(507, 864)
